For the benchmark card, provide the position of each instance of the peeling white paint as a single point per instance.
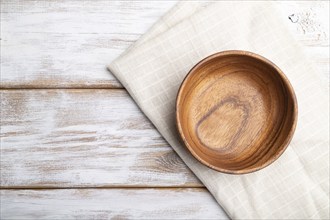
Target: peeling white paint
(110, 203)
(74, 138)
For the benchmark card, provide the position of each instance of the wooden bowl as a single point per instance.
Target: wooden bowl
(236, 112)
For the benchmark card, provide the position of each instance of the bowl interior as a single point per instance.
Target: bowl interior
(236, 112)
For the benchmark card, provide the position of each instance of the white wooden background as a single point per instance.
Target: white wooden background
(73, 143)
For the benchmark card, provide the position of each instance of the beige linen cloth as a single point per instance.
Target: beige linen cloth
(296, 186)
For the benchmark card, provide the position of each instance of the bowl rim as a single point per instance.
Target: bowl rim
(286, 83)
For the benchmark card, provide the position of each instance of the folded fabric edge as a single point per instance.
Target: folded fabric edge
(113, 70)
(180, 11)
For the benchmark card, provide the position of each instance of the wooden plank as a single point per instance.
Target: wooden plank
(67, 44)
(83, 138)
(60, 60)
(64, 44)
(309, 21)
(109, 204)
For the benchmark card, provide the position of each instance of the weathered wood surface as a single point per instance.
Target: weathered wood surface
(109, 203)
(83, 138)
(67, 44)
(97, 138)
(56, 44)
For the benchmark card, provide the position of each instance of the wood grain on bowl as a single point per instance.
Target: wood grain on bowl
(236, 112)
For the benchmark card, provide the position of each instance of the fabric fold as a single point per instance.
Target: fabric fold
(296, 186)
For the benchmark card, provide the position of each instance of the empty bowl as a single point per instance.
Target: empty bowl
(236, 112)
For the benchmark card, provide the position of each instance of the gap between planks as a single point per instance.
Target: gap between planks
(35, 87)
(102, 187)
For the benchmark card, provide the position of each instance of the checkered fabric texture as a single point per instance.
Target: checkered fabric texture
(296, 186)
